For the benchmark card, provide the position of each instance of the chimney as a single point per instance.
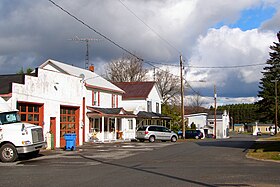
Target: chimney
(91, 68)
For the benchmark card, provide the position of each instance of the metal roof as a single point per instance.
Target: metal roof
(91, 79)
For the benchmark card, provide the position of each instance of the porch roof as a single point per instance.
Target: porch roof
(109, 112)
(152, 115)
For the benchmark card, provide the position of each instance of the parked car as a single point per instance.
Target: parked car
(197, 134)
(155, 132)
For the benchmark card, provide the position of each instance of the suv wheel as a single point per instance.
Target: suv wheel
(152, 139)
(173, 139)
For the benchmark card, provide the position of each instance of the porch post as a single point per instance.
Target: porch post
(102, 133)
(115, 129)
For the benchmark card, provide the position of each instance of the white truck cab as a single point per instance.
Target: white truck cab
(17, 137)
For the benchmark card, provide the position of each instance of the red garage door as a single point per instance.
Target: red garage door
(31, 112)
(69, 123)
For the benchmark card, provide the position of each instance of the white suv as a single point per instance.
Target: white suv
(154, 132)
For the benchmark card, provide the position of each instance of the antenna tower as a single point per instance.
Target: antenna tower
(87, 47)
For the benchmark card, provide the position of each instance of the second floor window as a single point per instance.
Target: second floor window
(157, 107)
(115, 101)
(149, 106)
(95, 98)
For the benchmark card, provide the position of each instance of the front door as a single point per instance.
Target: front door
(53, 129)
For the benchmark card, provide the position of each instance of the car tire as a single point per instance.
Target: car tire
(152, 139)
(8, 153)
(173, 139)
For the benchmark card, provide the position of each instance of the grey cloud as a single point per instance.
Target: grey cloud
(34, 31)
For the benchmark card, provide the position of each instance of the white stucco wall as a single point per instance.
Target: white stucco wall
(199, 120)
(52, 89)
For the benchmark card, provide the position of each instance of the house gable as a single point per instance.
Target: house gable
(90, 79)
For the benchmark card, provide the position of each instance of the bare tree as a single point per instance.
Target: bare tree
(168, 84)
(126, 69)
(196, 103)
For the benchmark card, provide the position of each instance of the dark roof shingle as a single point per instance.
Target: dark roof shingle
(7, 80)
(135, 90)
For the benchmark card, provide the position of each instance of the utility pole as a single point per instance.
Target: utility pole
(276, 106)
(87, 47)
(182, 97)
(215, 111)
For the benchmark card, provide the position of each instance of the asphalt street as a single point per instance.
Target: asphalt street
(192, 163)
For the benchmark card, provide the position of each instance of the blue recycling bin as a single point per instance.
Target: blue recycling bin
(70, 140)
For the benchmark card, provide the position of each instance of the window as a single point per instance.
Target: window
(149, 106)
(152, 128)
(113, 101)
(130, 124)
(157, 107)
(95, 98)
(111, 124)
(31, 113)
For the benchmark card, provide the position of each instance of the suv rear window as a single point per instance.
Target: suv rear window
(142, 128)
(152, 128)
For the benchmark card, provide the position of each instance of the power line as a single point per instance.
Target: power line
(226, 67)
(97, 32)
(156, 33)
(87, 47)
(148, 62)
(207, 67)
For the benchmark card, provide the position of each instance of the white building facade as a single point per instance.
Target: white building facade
(65, 99)
(207, 123)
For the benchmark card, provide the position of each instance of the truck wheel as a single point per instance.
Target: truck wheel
(8, 153)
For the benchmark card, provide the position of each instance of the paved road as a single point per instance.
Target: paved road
(191, 163)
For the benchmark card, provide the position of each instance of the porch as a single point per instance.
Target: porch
(110, 124)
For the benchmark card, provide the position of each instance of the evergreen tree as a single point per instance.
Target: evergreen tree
(267, 84)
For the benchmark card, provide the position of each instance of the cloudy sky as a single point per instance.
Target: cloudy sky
(215, 37)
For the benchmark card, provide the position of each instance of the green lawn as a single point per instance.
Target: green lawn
(266, 149)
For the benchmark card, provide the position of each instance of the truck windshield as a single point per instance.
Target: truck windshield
(9, 117)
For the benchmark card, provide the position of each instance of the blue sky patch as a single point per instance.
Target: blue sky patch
(251, 18)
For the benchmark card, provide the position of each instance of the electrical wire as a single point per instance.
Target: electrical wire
(97, 32)
(226, 67)
(148, 62)
(156, 33)
(208, 67)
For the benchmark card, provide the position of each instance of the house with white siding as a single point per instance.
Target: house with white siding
(144, 100)
(66, 99)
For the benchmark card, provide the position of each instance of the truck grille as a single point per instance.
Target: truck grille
(37, 135)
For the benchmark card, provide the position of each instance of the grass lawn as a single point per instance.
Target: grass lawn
(266, 149)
